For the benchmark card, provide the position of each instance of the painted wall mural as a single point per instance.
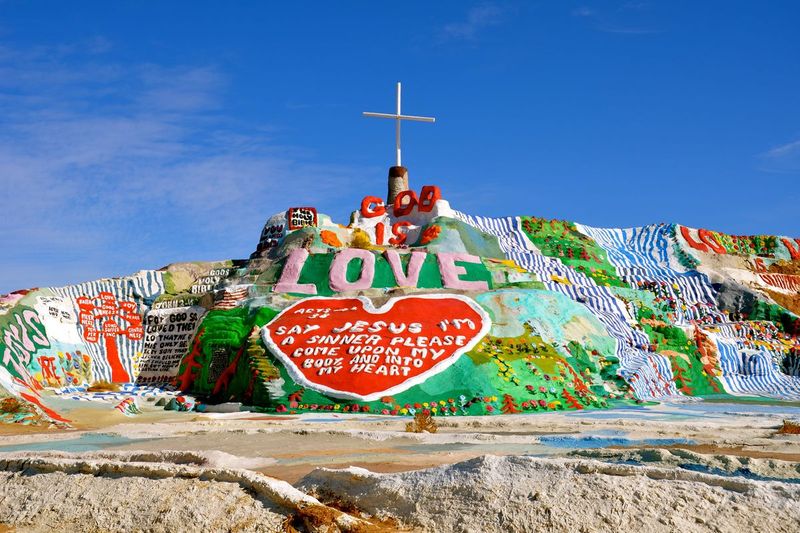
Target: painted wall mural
(347, 348)
(418, 307)
(167, 336)
(103, 319)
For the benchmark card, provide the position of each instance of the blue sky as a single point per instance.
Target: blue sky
(135, 134)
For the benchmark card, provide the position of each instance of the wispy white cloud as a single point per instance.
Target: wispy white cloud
(784, 150)
(635, 6)
(625, 31)
(107, 168)
(619, 22)
(583, 11)
(477, 18)
(782, 159)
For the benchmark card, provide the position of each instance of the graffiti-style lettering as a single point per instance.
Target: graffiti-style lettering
(380, 229)
(300, 217)
(22, 334)
(167, 336)
(411, 278)
(708, 241)
(428, 197)
(404, 203)
(400, 235)
(372, 206)
(338, 274)
(711, 241)
(359, 352)
(291, 274)
(449, 271)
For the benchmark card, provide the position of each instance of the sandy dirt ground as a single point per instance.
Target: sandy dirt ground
(695, 466)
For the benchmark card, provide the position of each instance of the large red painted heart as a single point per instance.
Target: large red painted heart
(345, 348)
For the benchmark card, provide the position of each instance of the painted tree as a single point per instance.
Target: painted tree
(681, 378)
(107, 320)
(190, 365)
(509, 405)
(708, 357)
(225, 378)
(571, 400)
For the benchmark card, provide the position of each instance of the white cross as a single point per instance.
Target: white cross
(398, 117)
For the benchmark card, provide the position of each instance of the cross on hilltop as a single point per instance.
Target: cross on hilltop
(398, 176)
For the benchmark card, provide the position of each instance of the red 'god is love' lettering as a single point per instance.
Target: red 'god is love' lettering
(345, 348)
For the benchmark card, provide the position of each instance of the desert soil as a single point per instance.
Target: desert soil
(689, 467)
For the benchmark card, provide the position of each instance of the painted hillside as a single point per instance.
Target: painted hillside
(420, 307)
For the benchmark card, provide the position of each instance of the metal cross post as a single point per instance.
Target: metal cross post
(398, 117)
